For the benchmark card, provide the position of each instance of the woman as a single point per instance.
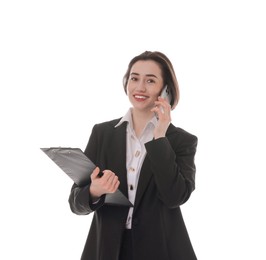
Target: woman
(151, 161)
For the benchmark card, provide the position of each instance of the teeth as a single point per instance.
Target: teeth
(140, 97)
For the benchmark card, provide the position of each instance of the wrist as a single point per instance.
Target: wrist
(94, 194)
(157, 136)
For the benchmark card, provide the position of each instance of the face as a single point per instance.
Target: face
(144, 85)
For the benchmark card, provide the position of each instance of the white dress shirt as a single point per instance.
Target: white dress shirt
(136, 153)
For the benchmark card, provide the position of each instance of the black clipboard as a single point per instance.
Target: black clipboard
(79, 168)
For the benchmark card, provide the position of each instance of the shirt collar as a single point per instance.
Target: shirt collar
(128, 118)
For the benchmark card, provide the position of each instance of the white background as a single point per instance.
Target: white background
(61, 69)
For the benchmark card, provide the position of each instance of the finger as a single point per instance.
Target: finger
(164, 100)
(111, 184)
(95, 173)
(114, 186)
(107, 174)
(164, 103)
(108, 179)
(112, 181)
(159, 110)
(164, 108)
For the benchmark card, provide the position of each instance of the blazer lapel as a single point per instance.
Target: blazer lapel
(144, 178)
(146, 173)
(118, 156)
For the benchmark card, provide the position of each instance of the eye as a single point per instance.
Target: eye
(151, 81)
(133, 79)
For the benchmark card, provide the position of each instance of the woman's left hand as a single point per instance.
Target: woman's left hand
(162, 110)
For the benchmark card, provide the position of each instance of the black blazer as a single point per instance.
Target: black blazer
(166, 181)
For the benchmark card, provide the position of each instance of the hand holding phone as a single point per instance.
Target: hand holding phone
(163, 113)
(166, 94)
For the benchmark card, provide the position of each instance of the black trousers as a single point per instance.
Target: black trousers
(126, 251)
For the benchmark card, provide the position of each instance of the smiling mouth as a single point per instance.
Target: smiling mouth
(140, 97)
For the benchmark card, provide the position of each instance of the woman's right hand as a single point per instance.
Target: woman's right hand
(108, 183)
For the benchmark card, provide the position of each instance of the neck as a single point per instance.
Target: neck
(140, 120)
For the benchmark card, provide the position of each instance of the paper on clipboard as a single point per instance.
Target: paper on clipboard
(79, 168)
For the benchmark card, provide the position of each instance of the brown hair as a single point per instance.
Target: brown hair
(168, 73)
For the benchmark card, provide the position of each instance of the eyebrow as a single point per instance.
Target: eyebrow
(147, 75)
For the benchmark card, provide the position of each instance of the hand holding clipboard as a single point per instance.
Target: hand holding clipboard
(79, 168)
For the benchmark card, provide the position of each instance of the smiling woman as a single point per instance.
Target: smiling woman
(151, 161)
(164, 71)
(144, 87)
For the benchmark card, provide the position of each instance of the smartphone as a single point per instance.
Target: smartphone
(166, 94)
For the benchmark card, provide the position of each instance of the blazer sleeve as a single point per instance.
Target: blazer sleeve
(173, 167)
(79, 199)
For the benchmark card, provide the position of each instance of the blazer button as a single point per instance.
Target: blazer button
(135, 222)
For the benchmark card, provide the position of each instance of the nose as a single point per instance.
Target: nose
(141, 86)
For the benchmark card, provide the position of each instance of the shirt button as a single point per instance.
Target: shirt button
(131, 187)
(131, 169)
(137, 153)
